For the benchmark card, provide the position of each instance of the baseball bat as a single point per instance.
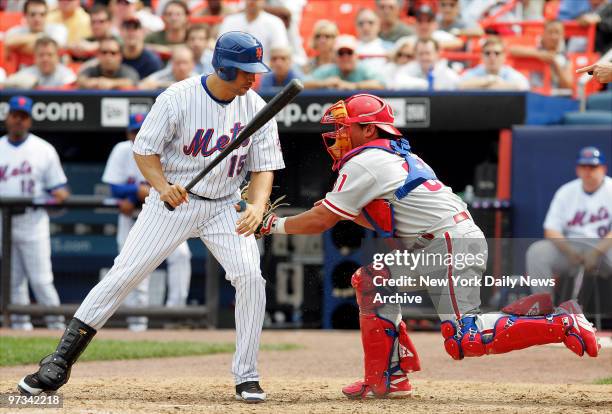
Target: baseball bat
(260, 119)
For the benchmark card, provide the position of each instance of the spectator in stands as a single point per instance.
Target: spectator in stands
(588, 12)
(109, 72)
(74, 18)
(573, 9)
(427, 27)
(176, 20)
(370, 48)
(180, 68)
(474, 11)
(347, 73)
(391, 27)
(101, 27)
(122, 9)
(283, 71)
(21, 39)
(323, 38)
(427, 71)
(215, 8)
(603, 36)
(47, 70)
(450, 20)
(267, 28)
(290, 12)
(551, 51)
(198, 42)
(135, 54)
(493, 73)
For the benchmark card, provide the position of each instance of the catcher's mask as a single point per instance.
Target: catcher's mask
(362, 109)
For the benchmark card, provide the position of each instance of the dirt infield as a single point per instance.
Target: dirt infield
(547, 379)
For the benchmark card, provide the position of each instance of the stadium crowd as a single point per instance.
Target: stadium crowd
(347, 45)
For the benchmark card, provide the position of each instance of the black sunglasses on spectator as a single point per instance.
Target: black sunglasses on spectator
(492, 52)
(406, 55)
(110, 52)
(344, 52)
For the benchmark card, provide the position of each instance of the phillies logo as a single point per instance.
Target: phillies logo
(202, 139)
(259, 53)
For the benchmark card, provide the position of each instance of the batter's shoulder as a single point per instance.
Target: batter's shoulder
(183, 86)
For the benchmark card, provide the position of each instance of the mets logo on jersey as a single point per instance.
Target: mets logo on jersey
(201, 142)
(259, 53)
(7, 172)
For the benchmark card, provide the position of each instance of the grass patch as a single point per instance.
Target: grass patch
(22, 350)
(604, 381)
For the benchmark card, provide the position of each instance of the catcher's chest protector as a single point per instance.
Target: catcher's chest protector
(379, 213)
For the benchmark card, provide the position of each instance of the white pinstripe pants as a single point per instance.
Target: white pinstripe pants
(157, 233)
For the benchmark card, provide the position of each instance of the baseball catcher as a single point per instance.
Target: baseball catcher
(383, 185)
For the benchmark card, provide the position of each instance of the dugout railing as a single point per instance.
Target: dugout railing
(205, 315)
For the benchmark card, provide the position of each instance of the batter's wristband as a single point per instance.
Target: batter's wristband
(279, 226)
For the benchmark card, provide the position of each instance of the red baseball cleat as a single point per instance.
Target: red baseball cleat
(399, 388)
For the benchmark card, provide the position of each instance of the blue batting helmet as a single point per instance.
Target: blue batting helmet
(237, 50)
(590, 156)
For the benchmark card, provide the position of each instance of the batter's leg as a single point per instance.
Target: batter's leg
(138, 298)
(239, 256)
(155, 235)
(179, 275)
(20, 294)
(37, 264)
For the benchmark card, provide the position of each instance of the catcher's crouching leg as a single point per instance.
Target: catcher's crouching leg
(498, 333)
(388, 351)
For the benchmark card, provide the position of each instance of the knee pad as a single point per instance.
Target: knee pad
(463, 339)
(366, 288)
(511, 333)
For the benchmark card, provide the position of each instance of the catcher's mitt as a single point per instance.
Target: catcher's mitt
(268, 216)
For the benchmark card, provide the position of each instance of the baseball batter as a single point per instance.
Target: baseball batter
(128, 185)
(188, 126)
(578, 225)
(30, 167)
(383, 185)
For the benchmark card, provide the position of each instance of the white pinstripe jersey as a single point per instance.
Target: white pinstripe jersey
(188, 128)
(375, 174)
(29, 169)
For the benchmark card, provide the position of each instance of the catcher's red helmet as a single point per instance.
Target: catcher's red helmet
(369, 109)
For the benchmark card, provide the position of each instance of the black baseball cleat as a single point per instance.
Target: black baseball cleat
(31, 385)
(250, 392)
